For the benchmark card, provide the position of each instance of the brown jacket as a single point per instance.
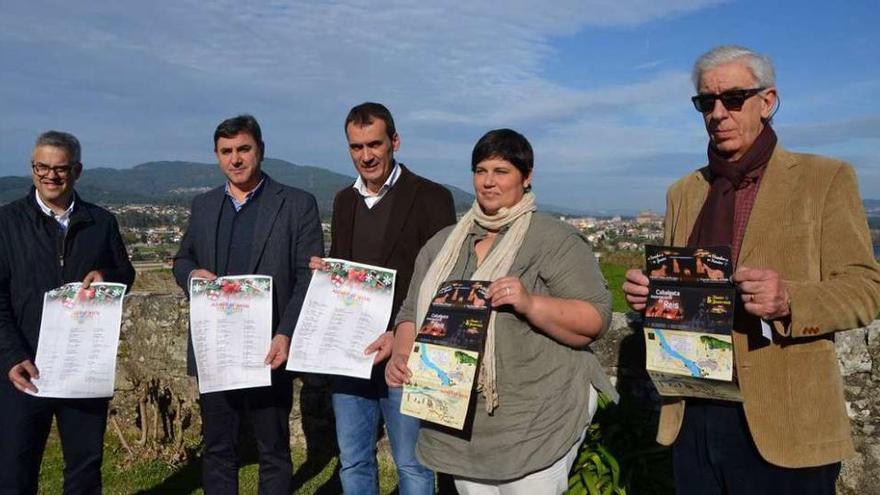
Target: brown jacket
(421, 208)
(808, 224)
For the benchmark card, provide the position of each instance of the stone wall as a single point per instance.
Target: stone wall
(155, 414)
(622, 353)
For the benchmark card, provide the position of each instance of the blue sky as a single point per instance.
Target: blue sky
(600, 87)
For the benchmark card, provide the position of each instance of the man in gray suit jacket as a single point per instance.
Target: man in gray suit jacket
(251, 225)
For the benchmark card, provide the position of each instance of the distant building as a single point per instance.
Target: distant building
(647, 216)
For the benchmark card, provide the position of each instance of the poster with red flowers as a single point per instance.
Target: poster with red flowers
(347, 307)
(79, 337)
(231, 330)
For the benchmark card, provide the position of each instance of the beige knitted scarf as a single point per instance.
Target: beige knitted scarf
(494, 266)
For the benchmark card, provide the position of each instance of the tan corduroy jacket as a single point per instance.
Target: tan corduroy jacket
(808, 224)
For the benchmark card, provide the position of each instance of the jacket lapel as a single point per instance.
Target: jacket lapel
(685, 217)
(774, 197)
(347, 206)
(404, 196)
(270, 205)
(215, 204)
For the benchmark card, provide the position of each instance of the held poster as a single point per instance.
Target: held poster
(688, 322)
(347, 307)
(231, 326)
(79, 337)
(446, 354)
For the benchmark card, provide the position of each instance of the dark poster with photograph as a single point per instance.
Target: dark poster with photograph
(446, 354)
(689, 320)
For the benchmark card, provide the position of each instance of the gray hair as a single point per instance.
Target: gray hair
(760, 65)
(66, 141)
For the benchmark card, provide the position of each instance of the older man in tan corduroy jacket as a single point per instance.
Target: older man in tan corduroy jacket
(805, 266)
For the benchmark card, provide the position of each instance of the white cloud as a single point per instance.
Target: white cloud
(144, 81)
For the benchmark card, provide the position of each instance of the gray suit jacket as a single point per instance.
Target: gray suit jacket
(287, 234)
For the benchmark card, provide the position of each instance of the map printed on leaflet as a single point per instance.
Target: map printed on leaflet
(689, 320)
(446, 354)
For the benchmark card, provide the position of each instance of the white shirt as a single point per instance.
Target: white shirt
(371, 198)
(62, 219)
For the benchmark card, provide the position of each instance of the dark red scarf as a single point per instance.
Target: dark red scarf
(714, 226)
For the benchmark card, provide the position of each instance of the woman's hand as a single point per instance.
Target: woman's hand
(511, 291)
(396, 371)
(571, 322)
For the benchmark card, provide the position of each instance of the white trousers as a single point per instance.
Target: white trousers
(550, 481)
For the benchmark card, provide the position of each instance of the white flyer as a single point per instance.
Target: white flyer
(346, 308)
(231, 327)
(79, 336)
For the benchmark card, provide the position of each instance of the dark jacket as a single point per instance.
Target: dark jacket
(36, 257)
(287, 233)
(421, 208)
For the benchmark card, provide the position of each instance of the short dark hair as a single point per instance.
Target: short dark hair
(63, 140)
(365, 113)
(505, 144)
(230, 128)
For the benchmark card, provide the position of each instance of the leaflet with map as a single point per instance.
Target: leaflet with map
(688, 322)
(446, 354)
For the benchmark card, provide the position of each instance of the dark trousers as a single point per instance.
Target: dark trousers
(25, 422)
(714, 455)
(268, 410)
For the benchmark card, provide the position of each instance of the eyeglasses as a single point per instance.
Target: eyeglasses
(43, 170)
(732, 100)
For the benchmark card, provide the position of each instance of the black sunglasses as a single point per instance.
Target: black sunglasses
(732, 100)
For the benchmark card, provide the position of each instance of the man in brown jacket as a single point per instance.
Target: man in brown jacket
(804, 269)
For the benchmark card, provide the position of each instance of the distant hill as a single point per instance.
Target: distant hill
(177, 182)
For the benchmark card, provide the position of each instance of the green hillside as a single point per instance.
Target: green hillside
(176, 182)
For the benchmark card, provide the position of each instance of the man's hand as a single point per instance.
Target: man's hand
(21, 374)
(636, 289)
(382, 346)
(92, 277)
(278, 351)
(396, 371)
(763, 292)
(202, 273)
(316, 263)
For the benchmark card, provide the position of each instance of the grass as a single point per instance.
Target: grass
(159, 280)
(614, 275)
(156, 477)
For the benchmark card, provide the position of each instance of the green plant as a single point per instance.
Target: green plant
(619, 455)
(596, 471)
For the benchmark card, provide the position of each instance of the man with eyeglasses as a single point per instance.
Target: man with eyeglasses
(49, 238)
(804, 269)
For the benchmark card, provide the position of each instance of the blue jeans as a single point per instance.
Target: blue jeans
(357, 427)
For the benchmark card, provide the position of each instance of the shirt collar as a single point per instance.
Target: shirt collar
(62, 218)
(238, 206)
(361, 187)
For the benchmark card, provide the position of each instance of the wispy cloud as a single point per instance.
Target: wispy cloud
(147, 81)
